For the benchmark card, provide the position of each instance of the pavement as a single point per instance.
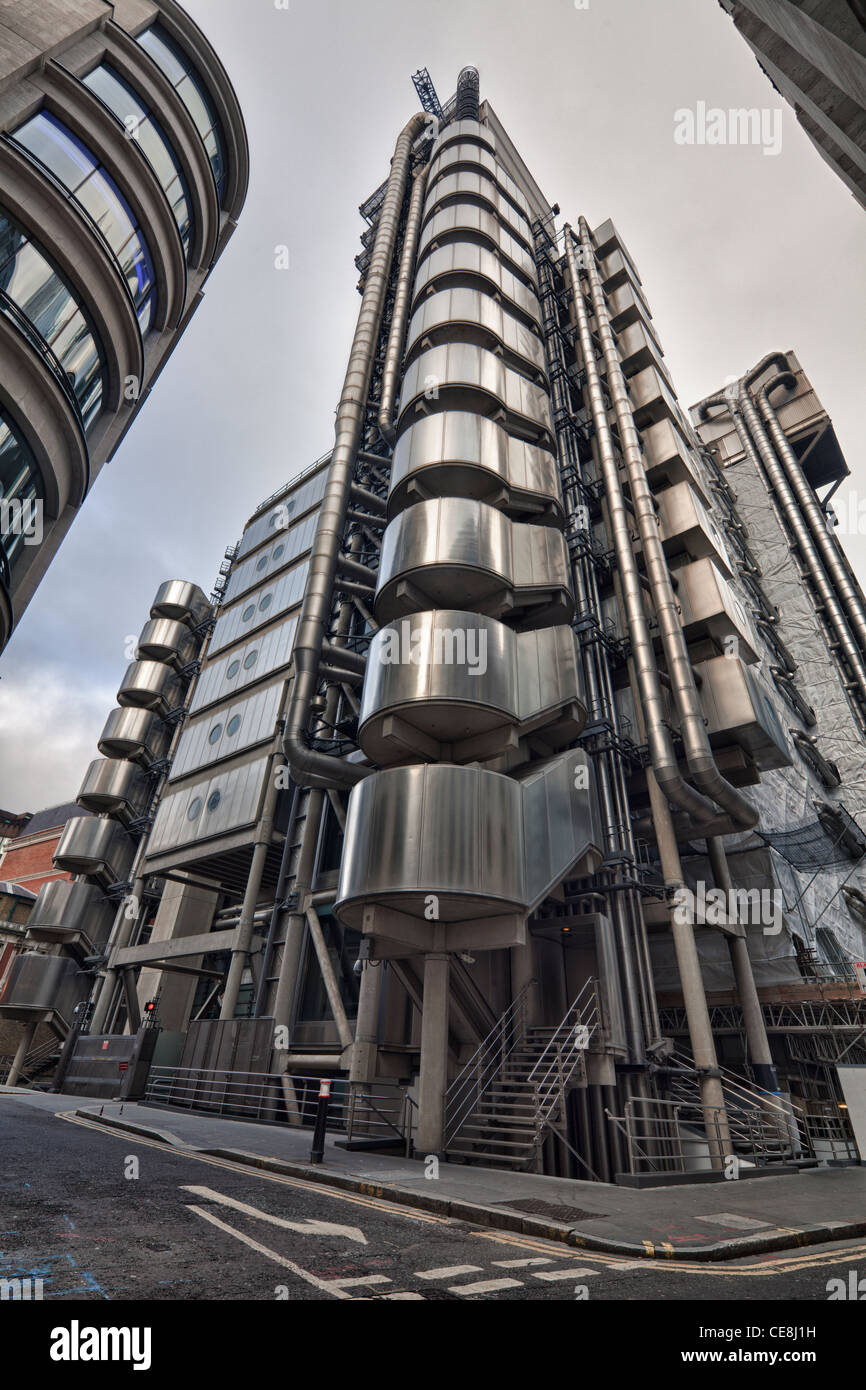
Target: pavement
(728, 1220)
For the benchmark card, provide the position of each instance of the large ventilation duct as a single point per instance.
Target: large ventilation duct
(309, 766)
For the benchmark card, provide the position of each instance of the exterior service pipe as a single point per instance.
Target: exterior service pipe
(309, 767)
(661, 746)
(402, 298)
(699, 755)
(793, 516)
(849, 593)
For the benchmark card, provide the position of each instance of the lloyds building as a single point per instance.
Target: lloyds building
(432, 792)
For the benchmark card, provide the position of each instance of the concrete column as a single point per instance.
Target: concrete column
(366, 1049)
(753, 1015)
(430, 1136)
(695, 1000)
(21, 1053)
(184, 910)
(290, 961)
(523, 971)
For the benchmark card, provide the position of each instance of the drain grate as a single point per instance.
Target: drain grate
(532, 1207)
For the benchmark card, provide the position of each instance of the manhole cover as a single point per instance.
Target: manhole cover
(533, 1207)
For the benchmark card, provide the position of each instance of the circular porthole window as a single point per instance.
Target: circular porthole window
(233, 725)
(265, 603)
(194, 810)
(278, 552)
(234, 667)
(248, 612)
(250, 661)
(214, 800)
(214, 734)
(261, 564)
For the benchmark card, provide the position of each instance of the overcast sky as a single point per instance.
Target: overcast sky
(739, 253)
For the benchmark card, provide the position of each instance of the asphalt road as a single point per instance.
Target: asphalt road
(99, 1216)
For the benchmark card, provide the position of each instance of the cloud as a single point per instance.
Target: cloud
(51, 721)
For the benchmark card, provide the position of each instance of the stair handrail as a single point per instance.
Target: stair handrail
(563, 1054)
(486, 1063)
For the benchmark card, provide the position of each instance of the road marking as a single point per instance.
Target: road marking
(405, 1297)
(765, 1269)
(520, 1264)
(359, 1282)
(310, 1227)
(355, 1199)
(487, 1286)
(270, 1254)
(448, 1271)
(552, 1275)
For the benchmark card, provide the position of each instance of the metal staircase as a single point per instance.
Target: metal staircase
(763, 1128)
(512, 1092)
(39, 1061)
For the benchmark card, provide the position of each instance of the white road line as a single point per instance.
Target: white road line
(487, 1286)
(404, 1297)
(520, 1264)
(448, 1271)
(270, 1254)
(357, 1283)
(305, 1228)
(553, 1274)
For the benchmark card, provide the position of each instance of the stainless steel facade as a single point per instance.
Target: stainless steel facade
(531, 656)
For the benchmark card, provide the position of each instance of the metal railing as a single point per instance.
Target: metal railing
(485, 1065)
(378, 1110)
(564, 1053)
(381, 1112)
(769, 1126)
(664, 1135)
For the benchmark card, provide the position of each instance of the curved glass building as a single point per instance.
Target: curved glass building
(123, 170)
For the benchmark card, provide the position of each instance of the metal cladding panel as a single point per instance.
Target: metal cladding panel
(462, 440)
(223, 802)
(710, 607)
(39, 984)
(98, 849)
(215, 735)
(548, 669)
(686, 525)
(287, 546)
(114, 786)
(626, 305)
(278, 517)
(540, 558)
(562, 831)
(453, 675)
(413, 831)
(468, 217)
(162, 639)
(260, 607)
(260, 656)
(65, 909)
(480, 842)
(669, 458)
(638, 348)
(468, 367)
(467, 306)
(468, 129)
(464, 258)
(134, 733)
(465, 183)
(454, 549)
(181, 601)
(739, 710)
(150, 685)
(652, 398)
(470, 153)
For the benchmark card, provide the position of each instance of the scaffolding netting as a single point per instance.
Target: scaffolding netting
(834, 837)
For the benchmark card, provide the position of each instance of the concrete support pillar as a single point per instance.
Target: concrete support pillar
(290, 960)
(523, 973)
(184, 910)
(430, 1136)
(753, 1015)
(695, 1000)
(21, 1053)
(366, 1050)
